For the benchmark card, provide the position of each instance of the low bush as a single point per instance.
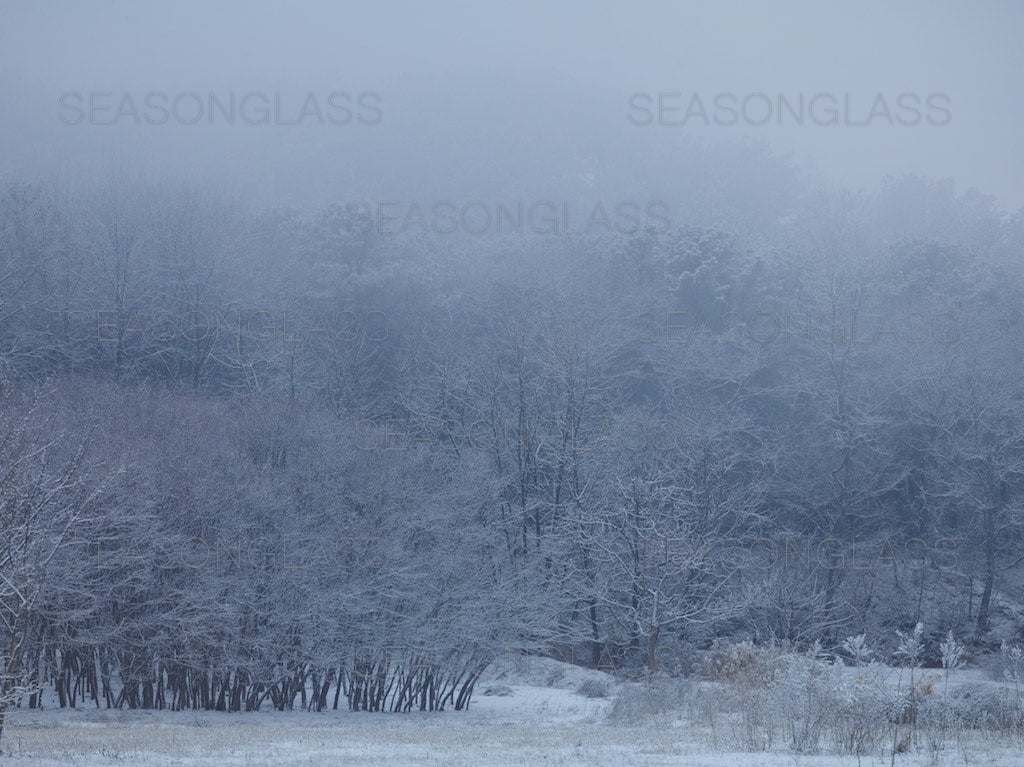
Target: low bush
(744, 665)
(982, 707)
(594, 688)
(655, 698)
(807, 704)
(768, 698)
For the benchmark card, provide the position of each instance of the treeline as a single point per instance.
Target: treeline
(259, 458)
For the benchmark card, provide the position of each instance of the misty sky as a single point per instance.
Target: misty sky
(499, 101)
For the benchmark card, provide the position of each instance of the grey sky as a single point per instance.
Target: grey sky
(504, 100)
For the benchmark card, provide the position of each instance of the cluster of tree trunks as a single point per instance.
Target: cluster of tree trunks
(369, 680)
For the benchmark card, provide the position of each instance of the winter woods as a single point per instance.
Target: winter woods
(270, 459)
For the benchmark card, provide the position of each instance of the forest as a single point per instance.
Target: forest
(267, 457)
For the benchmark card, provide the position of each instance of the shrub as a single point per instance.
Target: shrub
(744, 665)
(976, 707)
(658, 697)
(802, 701)
(594, 688)
(819, 705)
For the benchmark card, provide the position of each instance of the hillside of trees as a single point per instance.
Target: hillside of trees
(276, 458)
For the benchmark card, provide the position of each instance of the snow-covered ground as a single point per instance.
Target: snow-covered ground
(539, 719)
(415, 740)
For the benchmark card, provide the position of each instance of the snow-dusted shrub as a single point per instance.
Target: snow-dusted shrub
(1013, 670)
(679, 658)
(820, 707)
(808, 703)
(953, 653)
(744, 664)
(910, 647)
(594, 688)
(805, 703)
(746, 713)
(639, 702)
(975, 707)
(857, 648)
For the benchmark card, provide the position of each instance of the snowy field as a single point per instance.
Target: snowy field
(415, 740)
(539, 720)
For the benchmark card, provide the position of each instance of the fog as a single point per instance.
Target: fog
(503, 102)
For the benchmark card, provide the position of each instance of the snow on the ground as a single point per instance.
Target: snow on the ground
(542, 722)
(416, 740)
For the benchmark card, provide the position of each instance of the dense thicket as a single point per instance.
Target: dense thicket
(267, 457)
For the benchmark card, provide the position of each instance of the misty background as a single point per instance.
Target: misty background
(526, 101)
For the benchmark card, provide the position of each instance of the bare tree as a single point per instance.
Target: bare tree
(47, 497)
